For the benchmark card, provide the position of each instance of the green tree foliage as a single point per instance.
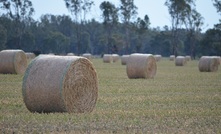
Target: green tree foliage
(3, 37)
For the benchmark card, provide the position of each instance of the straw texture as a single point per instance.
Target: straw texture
(107, 58)
(208, 64)
(60, 84)
(124, 59)
(141, 66)
(180, 61)
(13, 62)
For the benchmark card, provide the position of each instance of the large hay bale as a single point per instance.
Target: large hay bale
(157, 57)
(180, 61)
(60, 84)
(124, 59)
(208, 64)
(107, 58)
(13, 62)
(115, 57)
(172, 57)
(141, 66)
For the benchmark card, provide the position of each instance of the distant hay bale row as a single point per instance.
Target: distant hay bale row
(110, 58)
(87, 55)
(208, 64)
(13, 62)
(60, 84)
(124, 59)
(180, 61)
(141, 66)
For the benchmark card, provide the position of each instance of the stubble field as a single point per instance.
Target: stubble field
(177, 100)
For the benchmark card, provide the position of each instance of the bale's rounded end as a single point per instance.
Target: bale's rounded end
(80, 87)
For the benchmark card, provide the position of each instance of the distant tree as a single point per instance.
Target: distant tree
(3, 37)
(128, 12)
(18, 10)
(217, 4)
(76, 7)
(177, 9)
(110, 20)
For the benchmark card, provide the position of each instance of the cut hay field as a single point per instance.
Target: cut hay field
(177, 100)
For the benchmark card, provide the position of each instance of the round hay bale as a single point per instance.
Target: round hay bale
(157, 57)
(60, 84)
(30, 56)
(70, 54)
(172, 57)
(115, 57)
(124, 59)
(13, 62)
(208, 64)
(87, 55)
(107, 58)
(180, 61)
(188, 58)
(141, 66)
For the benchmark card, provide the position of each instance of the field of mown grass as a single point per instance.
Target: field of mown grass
(177, 100)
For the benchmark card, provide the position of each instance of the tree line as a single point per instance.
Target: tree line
(120, 31)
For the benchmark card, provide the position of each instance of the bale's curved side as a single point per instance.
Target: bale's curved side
(180, 61)
(141, 66)
(13, 61)
(124, 59)
(107, 58)
(60, 84)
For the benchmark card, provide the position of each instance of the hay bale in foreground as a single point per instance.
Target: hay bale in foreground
(172, 57)
(180, 61)
(141, 66)
(60, 84)
(13, 62)
(107, 58)
(208, 64)
(124, 59)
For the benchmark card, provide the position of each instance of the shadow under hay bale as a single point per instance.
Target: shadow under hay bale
(60, 84)
(141, 66)
(13, 62)
(208, 64)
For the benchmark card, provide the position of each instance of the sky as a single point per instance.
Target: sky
(155, 9)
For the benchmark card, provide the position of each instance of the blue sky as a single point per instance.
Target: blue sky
(155, 9)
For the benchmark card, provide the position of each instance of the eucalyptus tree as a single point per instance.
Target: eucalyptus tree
(110, 20)
(128, 12)
(177, 9)
(18, 10)
(79, 9)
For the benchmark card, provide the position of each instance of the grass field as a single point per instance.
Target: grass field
(177, 100)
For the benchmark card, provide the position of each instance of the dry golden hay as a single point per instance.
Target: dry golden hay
(115, 57)
(60, 84)
(208, 64)
(141, 66)
(124, 59)
(107, 58)
(87, 55)
(30, 56)
(180, 61)
(157, 57)
(13, 62)
(172, 57)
